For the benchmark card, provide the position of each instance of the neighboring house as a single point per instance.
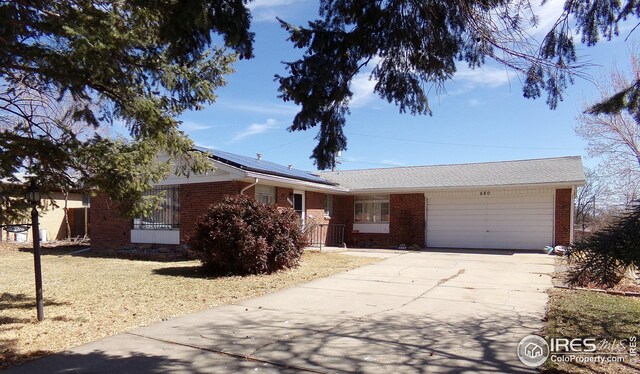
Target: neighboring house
(511, 205)
(52, 223)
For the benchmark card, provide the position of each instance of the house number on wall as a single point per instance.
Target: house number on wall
(485, 193)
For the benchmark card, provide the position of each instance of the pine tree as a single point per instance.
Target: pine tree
(68, 69)
(604, 257)
(412, 47)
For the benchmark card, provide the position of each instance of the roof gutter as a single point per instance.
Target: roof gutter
(255, 181)
(297, 182)
(464, 188)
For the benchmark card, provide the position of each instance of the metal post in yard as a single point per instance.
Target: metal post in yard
(33, 197)
(37, 263)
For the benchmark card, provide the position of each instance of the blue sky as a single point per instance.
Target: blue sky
(482, 116)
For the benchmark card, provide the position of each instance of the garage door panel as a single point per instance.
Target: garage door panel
(533, 221)
(509, 222)
(513, 208)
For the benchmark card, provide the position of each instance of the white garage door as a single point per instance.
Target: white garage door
(522, 221)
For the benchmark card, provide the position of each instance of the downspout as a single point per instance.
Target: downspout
(255, 181)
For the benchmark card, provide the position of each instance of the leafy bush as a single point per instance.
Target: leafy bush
(604, 257)
(243, 236)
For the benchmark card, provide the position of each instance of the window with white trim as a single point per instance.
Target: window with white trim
(266, 194)
(166, 215)
(371, 209)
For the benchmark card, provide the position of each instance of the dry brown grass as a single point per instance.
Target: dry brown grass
(583, 314)
(88, 298)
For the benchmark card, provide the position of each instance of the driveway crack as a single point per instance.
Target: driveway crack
(234, 355)
(440, 282)
(303, 334)
(251, 357)
(324, 331)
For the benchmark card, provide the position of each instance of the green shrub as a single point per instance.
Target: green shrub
(604, 257)
(243, 236)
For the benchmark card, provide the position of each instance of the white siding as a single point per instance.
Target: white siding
(371, 228)
(155, 236)
(501, 219)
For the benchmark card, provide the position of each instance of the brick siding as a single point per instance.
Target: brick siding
(315, 203)
(562, 215)
(283, 197)
(343, 214)
(109, 229)
(197, 198)
(111, 232)
(406, 222)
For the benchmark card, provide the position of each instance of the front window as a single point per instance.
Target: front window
(166, 215)
(266, 194)
(372, 209)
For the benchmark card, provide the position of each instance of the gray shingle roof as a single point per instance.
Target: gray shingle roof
(558, 170)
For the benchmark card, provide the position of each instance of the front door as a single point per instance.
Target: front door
(298, 204)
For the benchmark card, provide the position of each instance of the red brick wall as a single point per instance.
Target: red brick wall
(314, 204)
(343, 214)
(562, 225)
(196, 198)
(406, 225)
(109, 229)
(283, 197)
(407, 221)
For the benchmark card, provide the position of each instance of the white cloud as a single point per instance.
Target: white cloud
(267, 10)
(392, 162)
(547, 15)
(362, 88)
(261, 4)
(474, 102)
(262, 108)
(255, 129)
(194, 126)
(486, 76)
(209, 146)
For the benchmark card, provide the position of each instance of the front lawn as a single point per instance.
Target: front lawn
(88, 298)
(585, 314)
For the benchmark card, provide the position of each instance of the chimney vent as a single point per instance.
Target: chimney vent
(259, 156)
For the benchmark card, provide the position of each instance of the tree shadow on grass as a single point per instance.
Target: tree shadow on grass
(9, 356)
(94, 362)
(22, 301)
(57, 250)
(196, 271)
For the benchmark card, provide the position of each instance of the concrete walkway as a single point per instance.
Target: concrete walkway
(413, 312)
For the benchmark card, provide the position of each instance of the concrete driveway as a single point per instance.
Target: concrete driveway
(411, 313)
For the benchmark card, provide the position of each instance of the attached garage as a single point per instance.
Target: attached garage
(524, 204)
(493, 219)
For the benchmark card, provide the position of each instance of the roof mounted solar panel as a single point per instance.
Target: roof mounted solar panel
(262, 166)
